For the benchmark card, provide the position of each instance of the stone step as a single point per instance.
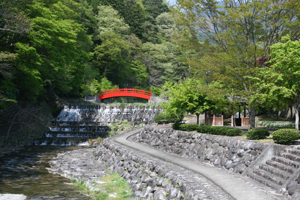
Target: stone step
(278, 172)
(287, 162)
(296, 147)
(290, 156)
(293, 151)
(263, 181)
(281, 166)
(271, 177)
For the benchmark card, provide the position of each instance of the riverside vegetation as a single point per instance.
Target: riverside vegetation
(281, 136)
(111, 183)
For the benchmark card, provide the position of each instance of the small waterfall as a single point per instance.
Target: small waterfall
(78, 125)
(75, 126)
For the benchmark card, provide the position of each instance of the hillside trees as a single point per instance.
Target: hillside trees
(238, 34)
(14, 24)
(280, 81)
(64, 42)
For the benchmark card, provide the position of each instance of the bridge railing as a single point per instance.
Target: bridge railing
(126, 90)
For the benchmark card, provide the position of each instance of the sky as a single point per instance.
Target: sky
(171, 2)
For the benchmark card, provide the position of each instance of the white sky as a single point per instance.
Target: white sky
(171, 2)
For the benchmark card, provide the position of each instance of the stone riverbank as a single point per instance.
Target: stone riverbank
(148, 177)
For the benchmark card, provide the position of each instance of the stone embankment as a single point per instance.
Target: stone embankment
(230, 153)
(148, 177)
(275, 166)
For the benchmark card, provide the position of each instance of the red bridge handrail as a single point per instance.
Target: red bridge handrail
(125, 92)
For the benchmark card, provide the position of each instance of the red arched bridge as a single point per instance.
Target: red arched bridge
(125, 92)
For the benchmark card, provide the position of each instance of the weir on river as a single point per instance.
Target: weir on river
(75, 125)
(24, 171)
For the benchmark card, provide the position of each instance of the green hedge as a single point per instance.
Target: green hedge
(285, 136)
(215, 130)
(170, 119)
(257, 134)
(233, 132)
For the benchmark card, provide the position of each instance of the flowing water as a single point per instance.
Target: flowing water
(24, 171)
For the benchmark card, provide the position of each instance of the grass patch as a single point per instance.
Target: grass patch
(114, 184)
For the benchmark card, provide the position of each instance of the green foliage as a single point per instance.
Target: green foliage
(233, 132)
(190, 96)
(280, 81)
(188, 127)
(110, 22)
(228, 38)
(169, 118)
(166, 24)
(204, 129)
(113, 183)
(155, 90)
(276, 124)
(257, 134)
(215, 130)
(285, 136)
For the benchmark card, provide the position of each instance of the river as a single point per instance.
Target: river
(24, 172)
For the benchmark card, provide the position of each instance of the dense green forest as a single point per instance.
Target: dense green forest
(108, 43)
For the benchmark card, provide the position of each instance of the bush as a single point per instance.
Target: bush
(170, 119)
(188, 127)
(233, 132)
(155, 90)
(285, 136)
(204, 129)
(176, 126)
(215, 130)
(257, 134)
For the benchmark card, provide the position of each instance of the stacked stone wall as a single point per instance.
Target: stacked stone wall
(220, 151)
(147, 178)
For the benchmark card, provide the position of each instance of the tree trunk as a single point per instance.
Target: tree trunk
(197, 119)
(252, 117)
(296, 106)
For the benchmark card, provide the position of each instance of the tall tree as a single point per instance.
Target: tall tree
(240, 32)
(280, 81)
(190, 96)
(153, 9)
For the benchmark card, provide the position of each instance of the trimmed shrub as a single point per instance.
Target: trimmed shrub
(204, 129)
(285, 136)
(216, 130)
(170, 119)
(233, 132)
(185, 127)
(257, 134)
(188, 127)
(176, 126)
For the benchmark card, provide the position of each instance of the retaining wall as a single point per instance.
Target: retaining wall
(147, 178)
(220, 151)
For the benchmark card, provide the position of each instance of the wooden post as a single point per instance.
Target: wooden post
(242, 120)
(222, 119)
(214, 119)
